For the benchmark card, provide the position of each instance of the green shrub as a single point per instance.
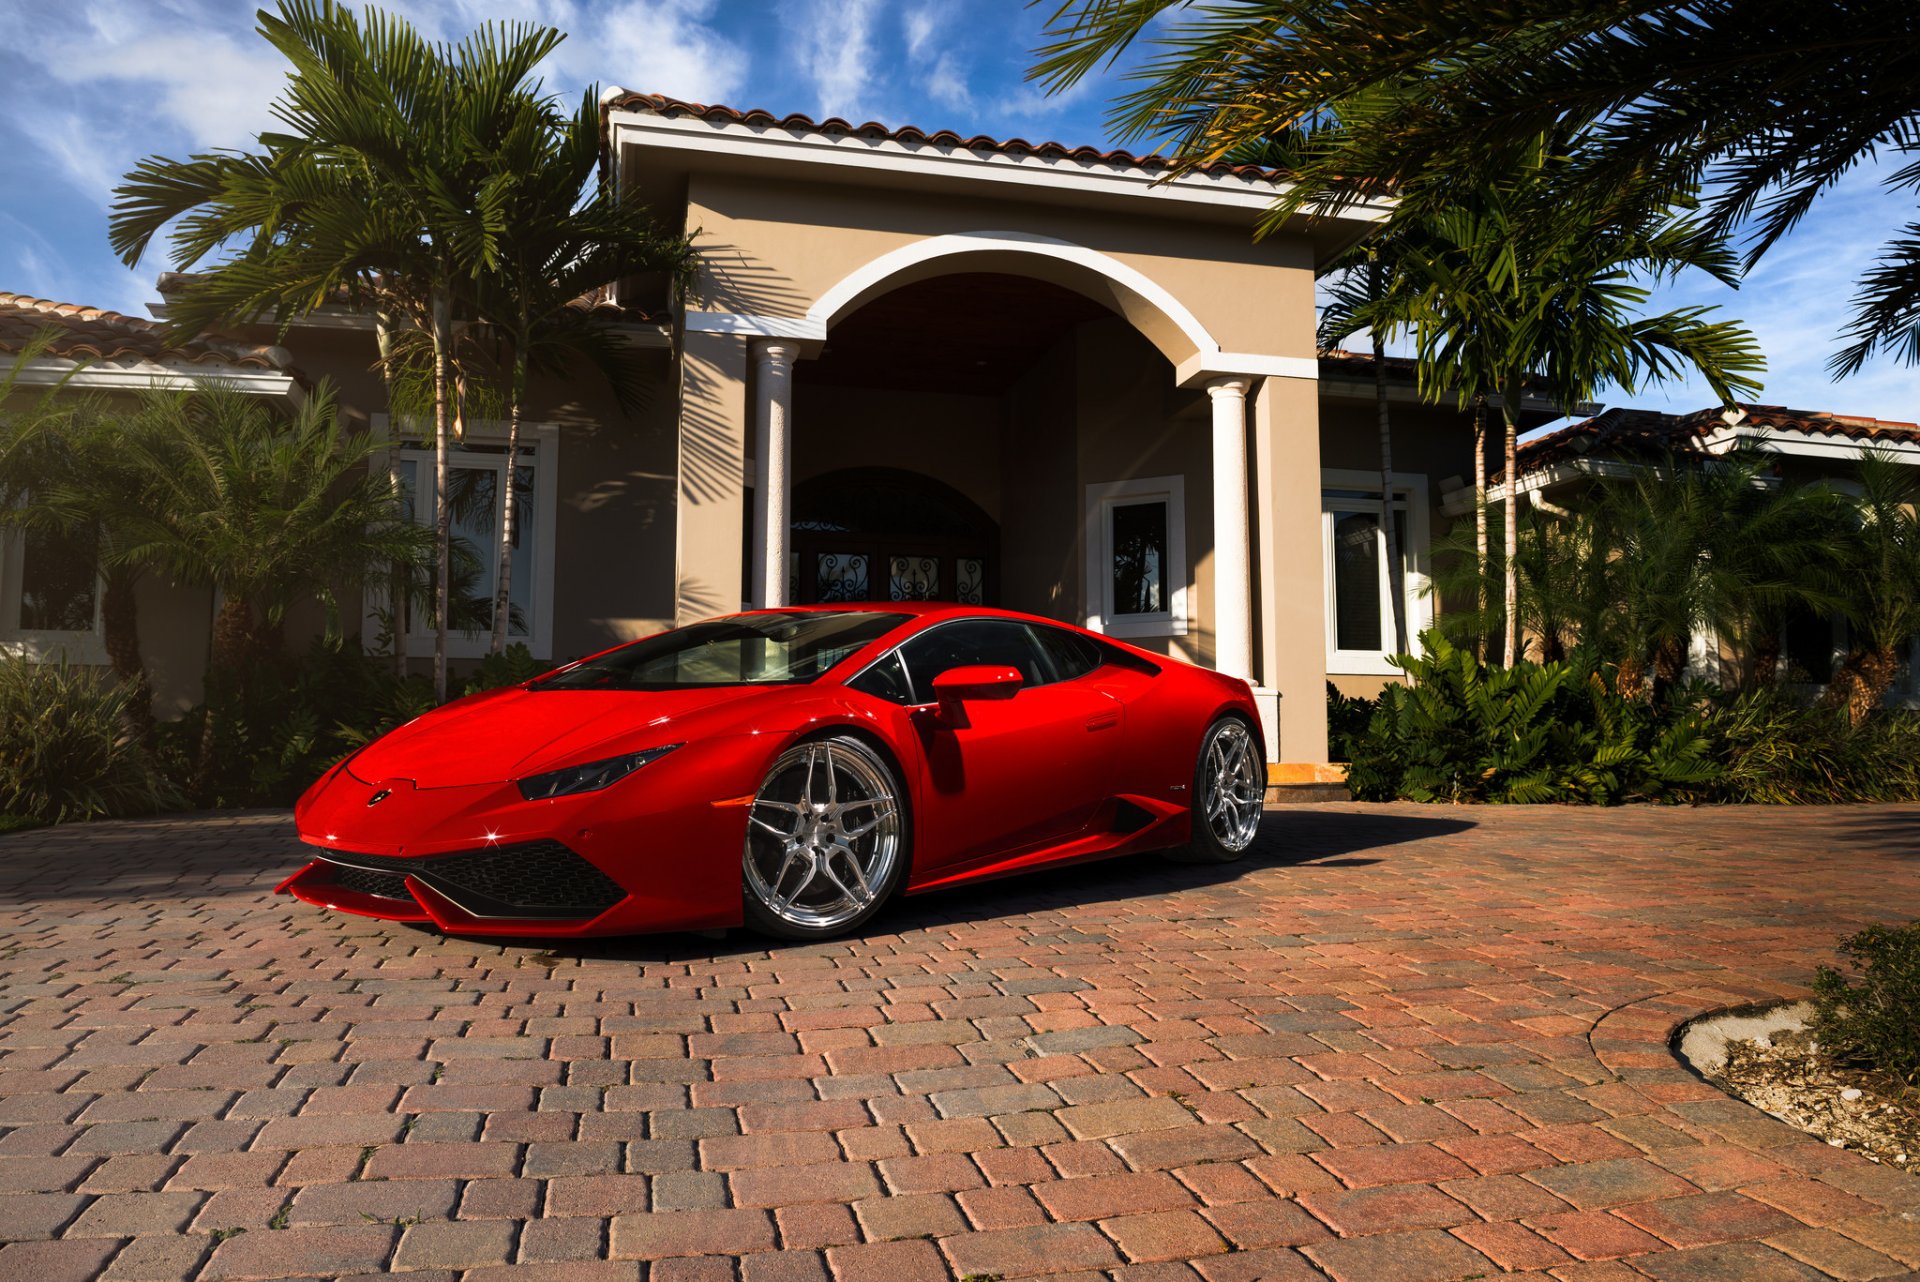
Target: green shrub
(68, 749)
(510, 668)
(1874, 1019)
(1347, 720)
(1535, 732)
(279, 729)
(1779, 752)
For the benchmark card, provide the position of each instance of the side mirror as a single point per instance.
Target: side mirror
(956, 687)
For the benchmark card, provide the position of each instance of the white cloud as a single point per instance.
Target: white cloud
(834, 44)
(657, 46)
(947, 85)
(919, 26)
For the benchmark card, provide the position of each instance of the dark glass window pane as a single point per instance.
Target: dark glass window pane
(1356, 580)
(1809, 646)
(1140, 558)
(913, 578)
(840, 576)
(59, 576)
(1072, 654)
(970, 581)
(991, 642)
(885, 680)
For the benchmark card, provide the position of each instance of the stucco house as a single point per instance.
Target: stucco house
(911, 365)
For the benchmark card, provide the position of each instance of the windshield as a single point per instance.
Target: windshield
(773, 648)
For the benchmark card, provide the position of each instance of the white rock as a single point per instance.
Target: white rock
(1837, 1143)
(1851, 1093)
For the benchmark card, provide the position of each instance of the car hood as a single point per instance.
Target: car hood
(512, 733)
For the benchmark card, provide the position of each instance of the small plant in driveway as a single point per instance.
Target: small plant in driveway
(1873, 1017)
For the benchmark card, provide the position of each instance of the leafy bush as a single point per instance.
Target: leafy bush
(1779, 752)
(281, 727)
(510, 668)
(1535, 732)
(1347, 719)
(68, 748)
(1874, 1020)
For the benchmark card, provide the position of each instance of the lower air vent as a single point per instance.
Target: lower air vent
(383, 885)
(535, 879)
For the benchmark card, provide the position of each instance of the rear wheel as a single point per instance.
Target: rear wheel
(826, 840)
(1229, 793)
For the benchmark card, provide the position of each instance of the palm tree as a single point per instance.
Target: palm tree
(1883, 563)
(1377, 289)
(266, 511)
(1515, 301)
(65, 471)
(1768, 102)
(384, 189)
(554, 251)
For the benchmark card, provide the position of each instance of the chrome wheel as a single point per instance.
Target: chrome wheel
(1234, 786)
(823, 835)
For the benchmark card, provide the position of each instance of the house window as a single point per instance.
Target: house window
(1137, 557)
(50, 596)
(1359, 601)
(476, 490)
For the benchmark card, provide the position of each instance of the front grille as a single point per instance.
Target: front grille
(385, 885)
(535, 879)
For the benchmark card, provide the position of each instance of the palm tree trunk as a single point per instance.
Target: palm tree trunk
(384, 321)
(1480, 524)
(1396, 587)
(1863, 681)
(1510, 521)
(120, 625)
(229, 658)
(441, 304)
(507, 507)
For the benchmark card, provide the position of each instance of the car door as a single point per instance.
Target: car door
(1022, 772)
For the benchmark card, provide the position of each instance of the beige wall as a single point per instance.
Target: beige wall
(774, 249)
(1290, 615)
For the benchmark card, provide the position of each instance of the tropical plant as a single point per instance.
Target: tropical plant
(75, 445)
(1872, 1017)
(385, 190)
(1525, 732)
(267, 510)
(554, 252)
(1883, 574)
(1375, 287)
(70, 747)
(1767, 103)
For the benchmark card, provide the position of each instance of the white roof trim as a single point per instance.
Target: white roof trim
(768, 142)
(147, 375)
(1784, 440)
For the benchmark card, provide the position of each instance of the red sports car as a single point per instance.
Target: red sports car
(792, 769)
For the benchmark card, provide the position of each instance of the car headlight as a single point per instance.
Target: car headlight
(591, 777)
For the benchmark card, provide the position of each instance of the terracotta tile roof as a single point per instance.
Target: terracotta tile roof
(1631, 433)
(598, 302)
(1338, 362)
(909, 135)
(95, 334)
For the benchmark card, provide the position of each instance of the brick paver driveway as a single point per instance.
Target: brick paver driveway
(1395, 1043)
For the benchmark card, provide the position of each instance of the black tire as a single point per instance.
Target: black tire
(795, 861)
(1225, 837)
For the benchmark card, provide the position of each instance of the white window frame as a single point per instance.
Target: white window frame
(88, 648)
(543, 439)
(1410, 495)
(1102, 499)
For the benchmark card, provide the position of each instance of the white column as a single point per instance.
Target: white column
(1232, 573)
(772, 467)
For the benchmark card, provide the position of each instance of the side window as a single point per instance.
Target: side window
(995, 642)
(886, 679)
(1072, 654)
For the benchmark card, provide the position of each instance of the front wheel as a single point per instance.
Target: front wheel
(1229, 792)
(826, 840)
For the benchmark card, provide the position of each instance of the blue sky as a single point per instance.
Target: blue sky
(90, 86)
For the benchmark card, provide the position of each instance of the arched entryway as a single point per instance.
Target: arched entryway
(888, 534)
